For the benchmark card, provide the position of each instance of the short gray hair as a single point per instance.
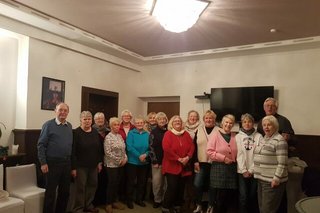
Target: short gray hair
(228, 116)
(126, 111)
(98, 114)
(276, 103)
(84, 114)
(247, 116)
(161, 115)
(114, 120)
(273, 120)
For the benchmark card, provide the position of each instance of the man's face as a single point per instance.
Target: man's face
(62, 112)
(270, 108)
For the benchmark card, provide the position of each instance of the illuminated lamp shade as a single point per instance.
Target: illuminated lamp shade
(178, 15)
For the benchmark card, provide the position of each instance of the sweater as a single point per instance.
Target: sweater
(114, 149)
(87, 149)
(201, 140)
(155, 141)
(270, 159)
(246, 145)
(137, 144)
(175, 147)
(55, 141)
(218, 148)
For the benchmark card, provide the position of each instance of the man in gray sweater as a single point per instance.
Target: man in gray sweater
(54, 153)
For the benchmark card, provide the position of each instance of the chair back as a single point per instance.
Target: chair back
(20, 177)
(1, 176)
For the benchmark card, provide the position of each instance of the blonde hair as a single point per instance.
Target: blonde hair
(170, 127)
(191, 111)
(126, 111)
(210, 113)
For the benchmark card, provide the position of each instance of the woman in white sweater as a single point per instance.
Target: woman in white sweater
(246, 140)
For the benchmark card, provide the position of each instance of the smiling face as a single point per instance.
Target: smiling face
(193, 118)
(177, 123)
(100, 120)
(162, 121)
(152, 119)
(126, 118)
(62, 111)
(139, 123)
(227, 124)
(209, 121)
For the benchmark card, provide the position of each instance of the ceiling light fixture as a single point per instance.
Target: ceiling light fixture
(178, 15)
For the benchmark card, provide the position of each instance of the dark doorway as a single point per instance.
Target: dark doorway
(97, 100)
(170, 108)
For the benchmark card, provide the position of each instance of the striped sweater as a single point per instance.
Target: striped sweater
(270, 159)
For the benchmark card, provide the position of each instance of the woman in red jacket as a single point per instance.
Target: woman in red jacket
(178, 148)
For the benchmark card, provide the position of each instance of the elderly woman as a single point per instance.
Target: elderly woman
(100, 124)
(222, 151)
(156, 155)
(270, 166)
(151, 121)
(115, 158)
(192, 123)
(126, 125)
(202, 164)
(178, 149)
(86, 163)
(247, 139)
(137, 168)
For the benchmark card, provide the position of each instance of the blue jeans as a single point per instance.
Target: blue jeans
(202, 182)
(248, 200)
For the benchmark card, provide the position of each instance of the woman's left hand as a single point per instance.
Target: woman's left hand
(274, 183)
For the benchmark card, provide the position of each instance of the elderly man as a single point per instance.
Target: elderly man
(270, 107)
(54, 152)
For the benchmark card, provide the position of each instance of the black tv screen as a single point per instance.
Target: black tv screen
(240, 100)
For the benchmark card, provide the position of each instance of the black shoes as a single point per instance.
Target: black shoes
(130, 205)
(156, 205)
(140, 203)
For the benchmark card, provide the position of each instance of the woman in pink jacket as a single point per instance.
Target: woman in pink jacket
(222, 151)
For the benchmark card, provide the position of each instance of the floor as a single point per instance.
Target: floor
(136, 209)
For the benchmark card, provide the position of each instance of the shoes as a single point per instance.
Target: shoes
(130, 205)
(210, 209)
(118, 205)
(141, 203)
(109, 209)
(95, 210)
(156, 205)
(198, 209)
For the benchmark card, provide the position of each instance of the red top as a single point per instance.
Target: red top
(175, 147)
(123, 133)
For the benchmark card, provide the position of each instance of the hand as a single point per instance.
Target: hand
(155, 165)
(274, 183)
(99, 167)
(196, 167)
(74, 173)
(142, 157)
(184, 160)
(123, 162)
(44, 168)
(246, 174)
(227, 160)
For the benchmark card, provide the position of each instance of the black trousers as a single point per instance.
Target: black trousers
(136, 178)
(114, 176)
(59, 176)
(173, 196)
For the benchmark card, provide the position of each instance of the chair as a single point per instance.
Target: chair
(10, 204)
(22, 183)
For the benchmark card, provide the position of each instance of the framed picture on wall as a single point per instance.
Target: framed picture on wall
(52, 93)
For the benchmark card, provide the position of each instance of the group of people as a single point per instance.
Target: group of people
(185, 159)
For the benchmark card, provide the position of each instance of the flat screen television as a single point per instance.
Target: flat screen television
(240, 100)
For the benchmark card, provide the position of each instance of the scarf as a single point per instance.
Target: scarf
(177, 132)
(248, 132)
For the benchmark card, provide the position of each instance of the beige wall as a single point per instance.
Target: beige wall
(294, 73)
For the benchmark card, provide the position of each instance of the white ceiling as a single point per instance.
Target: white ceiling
(126, 29)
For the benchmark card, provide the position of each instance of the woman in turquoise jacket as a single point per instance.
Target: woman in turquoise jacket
(137, 144)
